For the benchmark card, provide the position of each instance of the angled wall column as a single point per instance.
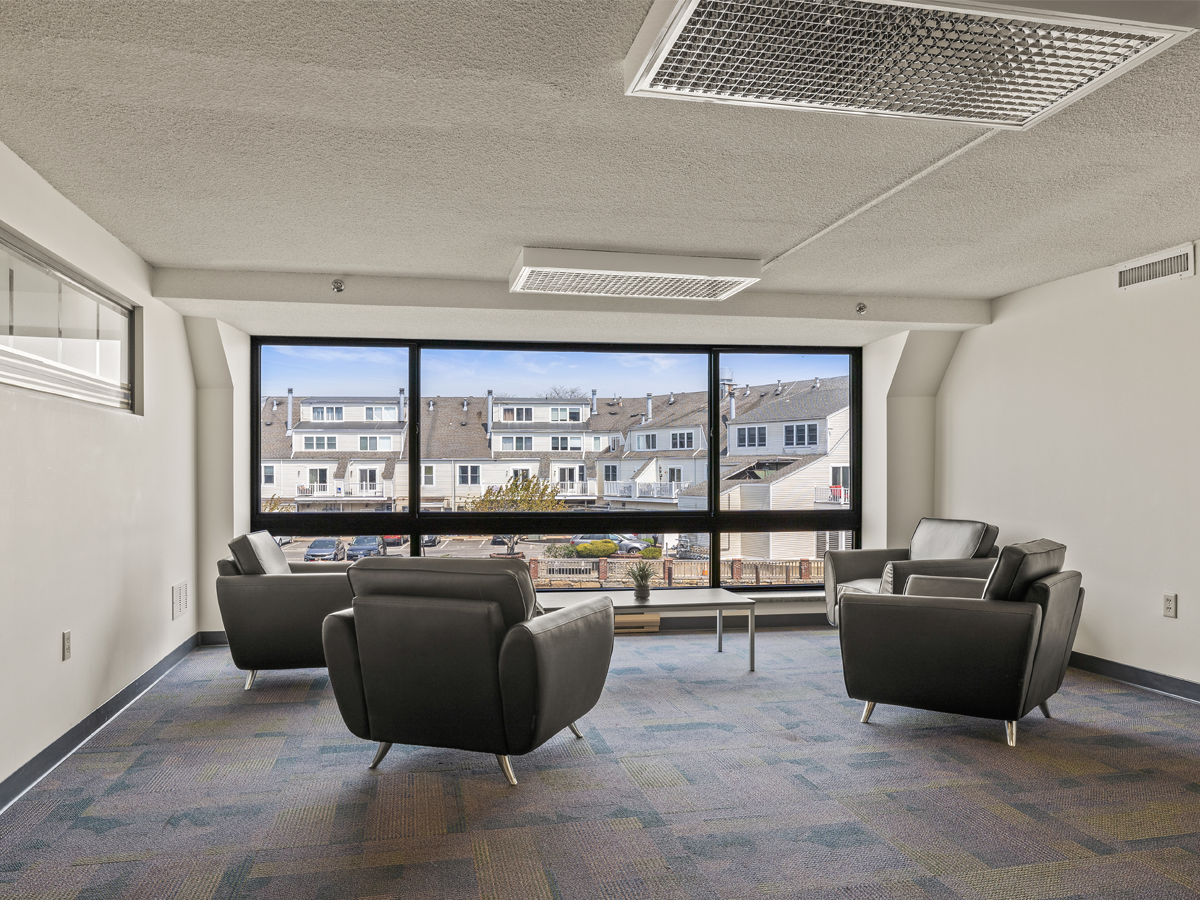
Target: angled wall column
(902, 375)
(221, 366)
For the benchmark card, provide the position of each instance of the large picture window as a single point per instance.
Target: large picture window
(693, 456)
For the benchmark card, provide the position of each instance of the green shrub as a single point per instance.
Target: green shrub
(594, 549)
(652, 553)
(560, 551)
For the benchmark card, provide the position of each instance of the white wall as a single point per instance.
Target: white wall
(1073, 417)
(97, 516)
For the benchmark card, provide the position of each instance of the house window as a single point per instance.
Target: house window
(468, 474)
(320, 443)
(517, 413)
(565, 442)
(327, 413)
(59, 337)
(564, 414)
(381, 413)
(318, 477)
(614, 443)
(367, 477)
(596, 444)
(610, 473)
(647, 441)
(674, 475)
(800, 435)
(681, 440)
(268, 474)
(506, 443)
(371, 442)
(516, 443)
(754, 436)
(427, 476)
(520, 474)
(833, 540)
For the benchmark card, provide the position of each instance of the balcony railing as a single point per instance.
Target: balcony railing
(574, 488)
(835, 493)
(314, 490)
(645, 490)
(367, 489)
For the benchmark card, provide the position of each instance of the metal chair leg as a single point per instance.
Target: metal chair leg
(867, 710)
(1045, 708)
(1010, 729)
(250, 679)
(575, 730)
(384, 747)
(507, 767)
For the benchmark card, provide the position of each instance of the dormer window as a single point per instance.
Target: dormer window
(754, 436)
(516, 443)
(800, 435)
(371, 442)
(647, 441)
(381, 414)
(564, 414)
(681, 440)
(565, 442)
(320, 443)
(327, 413)
(517, 413)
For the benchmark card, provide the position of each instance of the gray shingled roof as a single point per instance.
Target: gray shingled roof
(443, 434)
(799, 400)
(795, 464)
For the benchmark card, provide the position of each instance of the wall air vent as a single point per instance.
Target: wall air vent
(600, 273)
(982, 63)
(1169, 265)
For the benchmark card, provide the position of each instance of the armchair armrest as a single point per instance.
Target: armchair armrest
(552, 670)
(305, 568)
(970, 657)
(896, 574)
(345, 671)
(274, 621)
(842, 566)
(943, 586)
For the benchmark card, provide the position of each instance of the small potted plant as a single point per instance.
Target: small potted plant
(640, 573)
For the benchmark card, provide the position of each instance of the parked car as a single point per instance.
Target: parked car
(366, 545)
(282, 539)
(625, 543)
(395, 540)
(501, 539)
(325, 549)
(431, 540)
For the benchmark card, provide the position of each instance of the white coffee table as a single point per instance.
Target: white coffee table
(677, 599)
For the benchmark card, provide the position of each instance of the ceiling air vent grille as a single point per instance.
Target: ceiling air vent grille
(1179, 262)
(600, 273)
(883, 58)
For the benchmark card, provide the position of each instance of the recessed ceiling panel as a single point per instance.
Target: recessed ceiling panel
(601, 273)
(957, 63)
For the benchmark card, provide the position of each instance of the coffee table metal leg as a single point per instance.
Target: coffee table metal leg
(752, 639)
(720, 634)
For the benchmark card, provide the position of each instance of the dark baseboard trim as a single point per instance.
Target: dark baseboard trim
(1163, 684)
(45, 762)
(212, 638)
(734, 624)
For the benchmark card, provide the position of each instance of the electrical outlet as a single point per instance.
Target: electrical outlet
(66, 647)
(1171, 606)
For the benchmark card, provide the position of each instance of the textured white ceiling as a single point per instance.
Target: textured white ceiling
(435, 139)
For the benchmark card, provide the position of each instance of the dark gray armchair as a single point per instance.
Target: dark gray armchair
(272, 609)
(449, 653)
(993, 649)
(951, 547)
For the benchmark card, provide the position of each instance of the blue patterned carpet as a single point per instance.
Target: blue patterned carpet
(697, 779)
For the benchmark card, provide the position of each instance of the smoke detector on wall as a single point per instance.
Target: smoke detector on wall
(600, 273)
(982, 63)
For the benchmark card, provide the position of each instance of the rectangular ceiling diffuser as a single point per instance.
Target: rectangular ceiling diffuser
(986, 64)
(600, 273)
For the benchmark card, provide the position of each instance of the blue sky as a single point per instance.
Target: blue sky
(382, 371)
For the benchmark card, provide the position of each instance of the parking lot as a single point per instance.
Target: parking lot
(474, 546)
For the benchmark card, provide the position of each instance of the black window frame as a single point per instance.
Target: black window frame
(414, 522)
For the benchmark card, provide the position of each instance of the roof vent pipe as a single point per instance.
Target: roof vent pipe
(649, 406)
(671, 399)
(490, 397)
(403, 406)
(643, 420)
(732, 407)
(464, 404)
(778, 386)
(593, 400)
(431, 405)
(289, 422)
(817, 384)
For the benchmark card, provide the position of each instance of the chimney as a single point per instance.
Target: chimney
(593, 401)
(726, 381)
(649, 406)
(732, 406)
(289, 422)
(489, 415)
(403, 406)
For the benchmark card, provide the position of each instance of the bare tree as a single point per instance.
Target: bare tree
(517, 495)
(562, 392)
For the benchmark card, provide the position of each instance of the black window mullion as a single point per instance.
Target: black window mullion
(414, 448)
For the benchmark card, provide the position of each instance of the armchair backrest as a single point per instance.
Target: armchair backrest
(502, 581)
(258, 554)
(1020, 565)
(952, 539)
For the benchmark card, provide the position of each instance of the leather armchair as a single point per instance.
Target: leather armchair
(450, 653)
(272, 609)
(951, 547)
(993, 649)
